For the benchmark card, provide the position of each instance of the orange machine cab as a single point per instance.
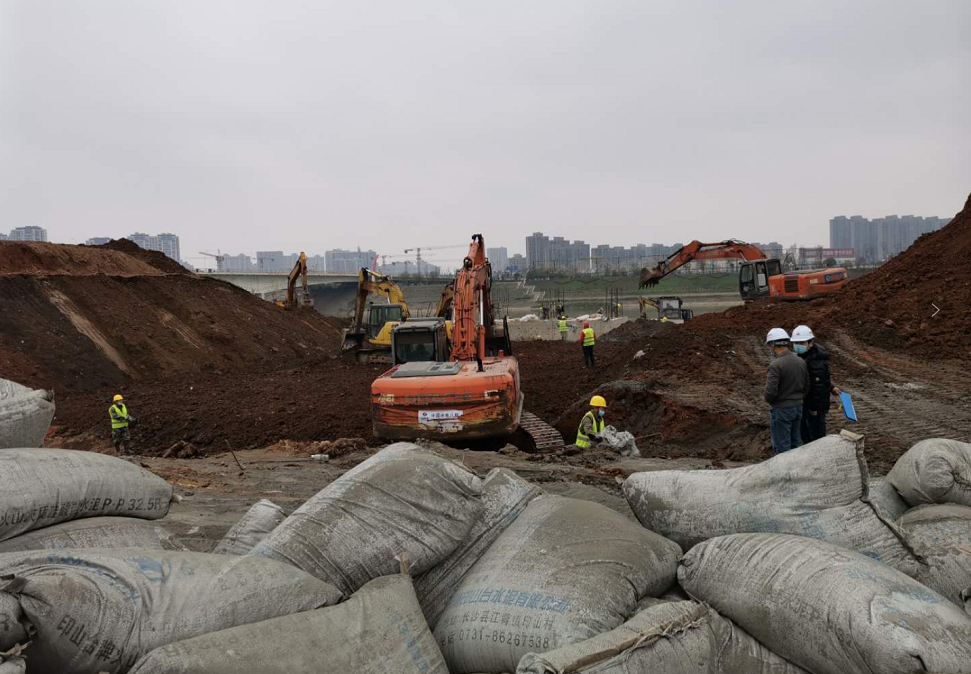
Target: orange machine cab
(450, 400)
(803, 285)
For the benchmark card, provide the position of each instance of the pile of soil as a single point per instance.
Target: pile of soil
(50, 259)
(160, 261)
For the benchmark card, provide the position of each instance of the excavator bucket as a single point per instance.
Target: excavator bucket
(649, 277)
(352, 340)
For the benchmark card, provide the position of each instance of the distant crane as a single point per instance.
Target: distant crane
(418, 250)
(219, 259)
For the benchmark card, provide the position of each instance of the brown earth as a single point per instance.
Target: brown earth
(49, 259)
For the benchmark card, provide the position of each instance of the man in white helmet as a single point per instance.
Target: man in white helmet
(785, 389)
(815, 406)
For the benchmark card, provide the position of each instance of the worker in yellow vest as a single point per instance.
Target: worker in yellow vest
(587, 340)
(592, 423)
(120, 419)
(561, 326)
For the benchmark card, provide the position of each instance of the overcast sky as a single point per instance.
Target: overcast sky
(243, 125)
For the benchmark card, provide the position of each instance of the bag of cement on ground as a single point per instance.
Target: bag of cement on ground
(25, 415)
(41, 487)
(884, 496)
(379, 629)
(564, 571)
(669, 638)
(94, 532)
(12, 662)
(412, 501)
(253, 527)
(504, 496)
(934, 471)
(827, 608)
(818, 490)
(937, 532)
(90, 611)
(621, 442)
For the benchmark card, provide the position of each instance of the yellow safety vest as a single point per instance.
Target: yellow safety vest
(562, 325)
(118, 416)
(583, 441)
(588, 337)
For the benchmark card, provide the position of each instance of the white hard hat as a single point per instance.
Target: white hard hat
(776, 335)
(802, 334)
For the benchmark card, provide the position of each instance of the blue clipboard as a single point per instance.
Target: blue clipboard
(846, 402)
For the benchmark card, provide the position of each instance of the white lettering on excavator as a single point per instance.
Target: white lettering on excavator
(438, 415)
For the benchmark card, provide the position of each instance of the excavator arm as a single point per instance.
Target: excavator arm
(445, 300)
(371, 282)
(472, 304)
(696, 250)
(299, 271)
(646, 302)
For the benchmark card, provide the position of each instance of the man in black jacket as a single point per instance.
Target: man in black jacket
(816, 403)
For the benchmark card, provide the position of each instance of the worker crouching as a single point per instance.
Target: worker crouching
(592, 423)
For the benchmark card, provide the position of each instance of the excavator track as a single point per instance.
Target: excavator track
(547, 438)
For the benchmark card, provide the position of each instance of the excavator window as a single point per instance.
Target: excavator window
(381, 314)
(414, 346)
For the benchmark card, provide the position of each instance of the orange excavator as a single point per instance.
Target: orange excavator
(757, 276)
(476, 393)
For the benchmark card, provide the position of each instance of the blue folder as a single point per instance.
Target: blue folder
(847, 403)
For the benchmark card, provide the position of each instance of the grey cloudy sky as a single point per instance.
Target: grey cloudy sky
(245, 125)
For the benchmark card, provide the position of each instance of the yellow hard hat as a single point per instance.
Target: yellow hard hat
(117, 397)
(598, 401)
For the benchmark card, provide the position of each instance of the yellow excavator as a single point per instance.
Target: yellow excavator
(299, 271)
(371, 339)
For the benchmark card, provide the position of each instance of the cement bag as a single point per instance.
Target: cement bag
(94, 532)
(937, 531)
(100, 610)
(12, 662)
(621, 442)
(934, 471)
(411, 501)
(379, 629)
(25, 415)
(41, 487)
(669, 638)
(504, 496)
(885, 497)
(818, 490)
(563, 572)
(262, 518)
(827, 608)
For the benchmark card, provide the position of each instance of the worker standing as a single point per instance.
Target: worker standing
(587, 340)
(785, 389)
(120, 419)
(815, 405)
(592, 423)
(561, 326)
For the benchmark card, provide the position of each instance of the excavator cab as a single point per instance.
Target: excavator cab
(420, 339)
(380, 315)
(753, 278)
(669, 308)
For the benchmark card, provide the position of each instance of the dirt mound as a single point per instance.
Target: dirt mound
(52, 259)
(160, 261)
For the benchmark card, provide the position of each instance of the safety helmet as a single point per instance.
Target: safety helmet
(598, 401)
(777, 336)
(586, 324)
(118, 398)
(802, 334)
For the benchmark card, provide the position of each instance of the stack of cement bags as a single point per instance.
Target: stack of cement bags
(25, 415)
(261, 519)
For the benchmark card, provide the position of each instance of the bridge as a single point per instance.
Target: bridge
(269, 284)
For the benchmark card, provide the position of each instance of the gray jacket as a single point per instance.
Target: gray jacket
(788, 381)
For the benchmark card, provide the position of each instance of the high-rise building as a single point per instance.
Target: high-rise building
(273, 260)
(878, 239)
(408, 268)
(499, 258)
(239, 262)
(517, 263)
(557, 253)
(165, 243)
(537, 251)
(98, 241)
(340, 261)
(29, 233)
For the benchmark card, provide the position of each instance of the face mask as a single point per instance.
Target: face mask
(601, 413)
(801, 348)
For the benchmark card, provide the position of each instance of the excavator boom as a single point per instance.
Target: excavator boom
(696, 250)
(299, 271)
(371, 282)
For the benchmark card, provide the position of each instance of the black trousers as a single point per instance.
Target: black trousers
(813, 425)
(588, 356)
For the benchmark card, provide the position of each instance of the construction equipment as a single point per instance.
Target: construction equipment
(372, 340)
(445, 300)
(669, 308)
(475, 394)
(757, 276)
(299, 271)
